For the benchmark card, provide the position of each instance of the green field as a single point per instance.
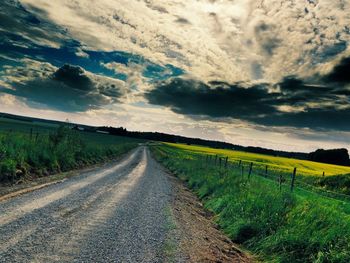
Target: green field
(304, 167)
(35, 149)
(309, 175)
(11, 125)
(277, 225)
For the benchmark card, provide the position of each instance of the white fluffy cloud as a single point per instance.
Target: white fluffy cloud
(226, 40)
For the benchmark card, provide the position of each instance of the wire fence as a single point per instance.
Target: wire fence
(283, 178)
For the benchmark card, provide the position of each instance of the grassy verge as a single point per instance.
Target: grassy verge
(275, 224)
(26, 155)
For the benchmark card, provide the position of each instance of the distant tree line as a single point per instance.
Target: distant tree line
(157, 136)
(333, 156)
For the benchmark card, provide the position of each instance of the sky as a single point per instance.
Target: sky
(266, 73)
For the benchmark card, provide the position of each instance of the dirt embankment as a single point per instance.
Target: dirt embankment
(201, 240)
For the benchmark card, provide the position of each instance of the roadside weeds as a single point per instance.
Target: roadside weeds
(32, 184)
(200, 238)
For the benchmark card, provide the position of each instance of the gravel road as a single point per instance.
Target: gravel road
(116, 213)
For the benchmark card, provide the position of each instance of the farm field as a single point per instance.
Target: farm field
(309, 175)
(36, 149)
(304, 167)
(274, 223)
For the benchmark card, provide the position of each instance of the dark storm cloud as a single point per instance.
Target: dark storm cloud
(292, 102)
(328, 118)
(69, 88)
(294, 91)
(73, 76)
(216, 99)
(340, 73)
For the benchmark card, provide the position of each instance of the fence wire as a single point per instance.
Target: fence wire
(281, 177)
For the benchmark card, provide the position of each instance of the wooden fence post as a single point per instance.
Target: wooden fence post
(280, 182)
(239, 163)
(242, 171)
(266, 170)
(293, 179)
(250, 170)
(220, 162)
(323, 174)
(226, 162)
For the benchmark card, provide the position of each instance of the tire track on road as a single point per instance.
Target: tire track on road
(87, 221)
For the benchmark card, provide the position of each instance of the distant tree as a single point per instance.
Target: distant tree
(333, 156)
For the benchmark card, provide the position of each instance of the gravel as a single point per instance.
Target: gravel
(112, 214)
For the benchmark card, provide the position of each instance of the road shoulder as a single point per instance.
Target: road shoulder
(198, 237)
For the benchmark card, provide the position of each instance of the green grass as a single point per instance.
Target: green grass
(50, 150)
(304, 167)
(276, 225)
(335, 182)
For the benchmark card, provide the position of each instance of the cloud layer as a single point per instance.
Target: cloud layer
(226, 40)
(292, 102)
(270, 70)
(69, 88)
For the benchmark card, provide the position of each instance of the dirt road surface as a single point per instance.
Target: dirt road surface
(117, 213)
